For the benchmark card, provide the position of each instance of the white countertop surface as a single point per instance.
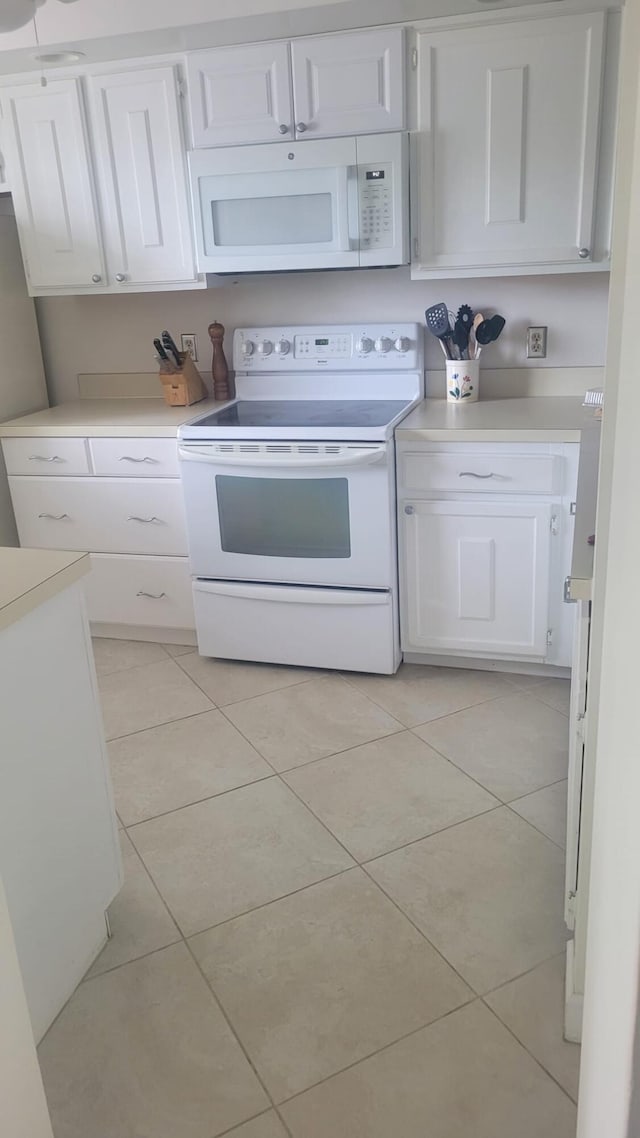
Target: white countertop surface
(29, 577)
(109, 418)
(533, 419)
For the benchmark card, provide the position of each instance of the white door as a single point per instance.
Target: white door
(240, 94)
(476, 577)
(508, 143)
(143, 178)
(349, 84)
(52, 186)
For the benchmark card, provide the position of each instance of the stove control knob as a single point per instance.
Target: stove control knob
(247, 348)
(265, 348)
(282, 348)
(383, 345)
(364, 345)
(402, 344)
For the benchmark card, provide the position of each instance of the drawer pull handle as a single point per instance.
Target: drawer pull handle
(146, 521)
(130, 458)
(472, 474)
(54, 517)
(43, 458)
(153, 596)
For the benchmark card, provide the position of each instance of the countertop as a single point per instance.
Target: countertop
(531, 420)
(109, 418)
(29, 577)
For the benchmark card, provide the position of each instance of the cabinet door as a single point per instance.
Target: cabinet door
(508, 143)
(240, 94)
(52, 186)
(476, 577)
(143, 180)
(349, 84)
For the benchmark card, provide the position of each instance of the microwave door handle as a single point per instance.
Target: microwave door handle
(275, 462)
(353, 207)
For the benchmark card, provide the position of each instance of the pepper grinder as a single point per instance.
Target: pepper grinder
(222, 385)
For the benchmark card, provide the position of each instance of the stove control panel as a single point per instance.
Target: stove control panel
(341, 347)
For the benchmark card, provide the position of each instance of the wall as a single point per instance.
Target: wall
(115, 333)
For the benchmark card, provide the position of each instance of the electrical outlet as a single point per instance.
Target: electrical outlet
(536, 343)
(189, 343)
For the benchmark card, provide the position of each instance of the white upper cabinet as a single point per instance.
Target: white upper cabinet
(317, 87)
(507, 146)
(52, 184)
(142, 176)
(240, 94)
(349, 84)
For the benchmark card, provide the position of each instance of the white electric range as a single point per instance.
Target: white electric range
(290, 497)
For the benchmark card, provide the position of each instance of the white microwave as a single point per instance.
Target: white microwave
(329, 204)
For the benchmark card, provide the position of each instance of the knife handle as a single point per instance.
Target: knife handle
(160, 350)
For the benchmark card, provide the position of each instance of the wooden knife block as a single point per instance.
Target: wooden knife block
(184, 387)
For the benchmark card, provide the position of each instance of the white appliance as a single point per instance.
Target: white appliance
(290, 497)
(327, 204)
(22, 384)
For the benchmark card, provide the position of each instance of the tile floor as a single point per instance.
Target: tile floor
(342, 910)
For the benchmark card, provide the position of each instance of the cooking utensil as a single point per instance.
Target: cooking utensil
(169, 345)
(489, 330)
(437, 321)
(461, 337)
(465, 316)
(160, 350)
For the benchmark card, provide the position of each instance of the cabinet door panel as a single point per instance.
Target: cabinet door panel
(143, 177)
(240, 94)
(476, 577)
(349, 84)
(52, 185)
(509, 120)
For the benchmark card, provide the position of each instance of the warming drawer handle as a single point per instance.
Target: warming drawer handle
(152, 596)
(54, 517)
(302, 596)
(473, 474)
(279, 461)
(146, 521)
(130, 458)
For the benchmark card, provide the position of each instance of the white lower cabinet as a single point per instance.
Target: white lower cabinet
(485, 535)
(477, 577)
(134, 527)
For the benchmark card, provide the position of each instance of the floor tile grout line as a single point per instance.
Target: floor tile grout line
(321, 675)
(376, 884)
(385, 1047)
(198, 801)
(526, 1049)
(163, 723)
(533, 825)
(521, 975)
(100, 674)
(501, 801)
(232, 1029)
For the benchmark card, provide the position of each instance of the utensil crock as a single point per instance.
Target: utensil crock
(463, 378)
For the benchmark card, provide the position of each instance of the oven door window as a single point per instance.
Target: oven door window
(284, 517)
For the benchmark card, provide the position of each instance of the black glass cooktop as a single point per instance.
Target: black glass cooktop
(305, 413)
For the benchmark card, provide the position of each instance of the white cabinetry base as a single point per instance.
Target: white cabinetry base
(573, 1001)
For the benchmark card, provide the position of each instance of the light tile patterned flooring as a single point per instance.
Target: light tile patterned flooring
(342, 910)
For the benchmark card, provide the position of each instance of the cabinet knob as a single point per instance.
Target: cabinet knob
(409, 510)
(301, 127)
(584, 253)
(120, 277)
(283, 128)
(96, 278)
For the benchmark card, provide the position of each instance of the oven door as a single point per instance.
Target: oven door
(277, 207)
(303, 513)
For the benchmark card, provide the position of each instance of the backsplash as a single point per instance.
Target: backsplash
(114, 334)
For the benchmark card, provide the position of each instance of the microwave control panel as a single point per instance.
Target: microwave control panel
(375, 195)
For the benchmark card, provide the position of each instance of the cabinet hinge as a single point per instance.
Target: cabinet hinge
(572, 509)
(416, 249)
(181, 88)
(549, 637)
(414, 59)
(554, 525)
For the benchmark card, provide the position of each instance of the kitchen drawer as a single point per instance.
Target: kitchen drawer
(46, 456)
(100, 515)
(482, 472)
(151, 591)
(139, 458)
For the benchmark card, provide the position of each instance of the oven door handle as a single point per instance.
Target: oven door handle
(278, 461)
(292, 595)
